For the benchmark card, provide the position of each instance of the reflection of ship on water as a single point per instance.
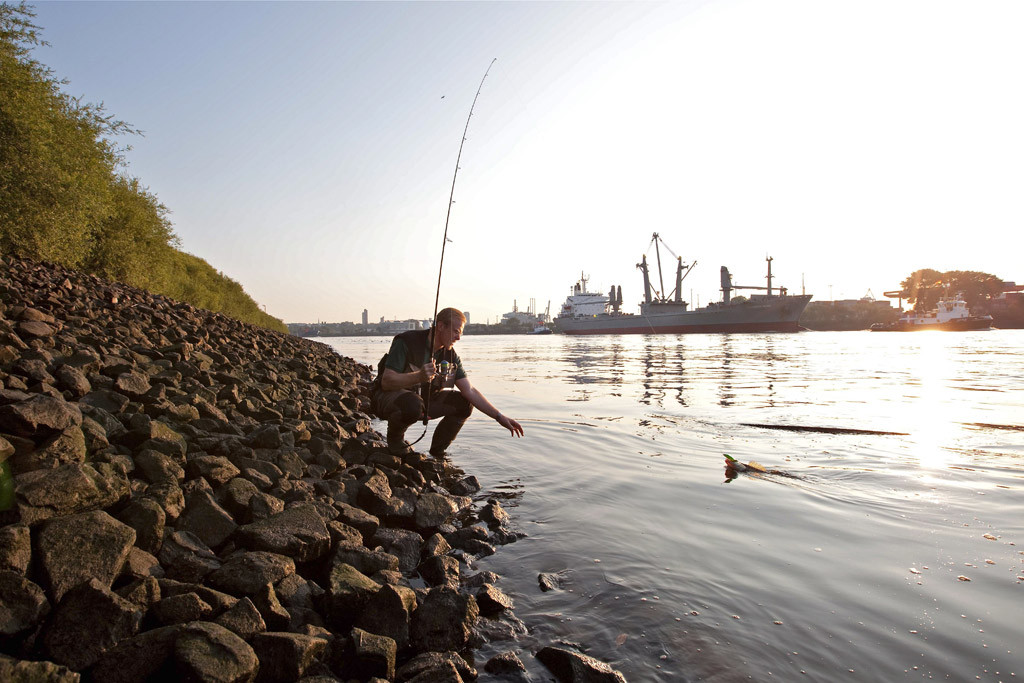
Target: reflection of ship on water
(591, 313)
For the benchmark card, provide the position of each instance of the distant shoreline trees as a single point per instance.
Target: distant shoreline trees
(65, 196)
(925, 287)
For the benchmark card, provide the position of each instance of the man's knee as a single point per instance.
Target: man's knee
(463, 409)
(407, 408)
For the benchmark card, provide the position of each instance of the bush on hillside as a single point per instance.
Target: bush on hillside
(65, 199)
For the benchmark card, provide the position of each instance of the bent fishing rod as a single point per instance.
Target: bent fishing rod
(444, 242)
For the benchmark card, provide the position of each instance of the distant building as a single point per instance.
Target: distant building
(847, 314)
(397, 326)
(366, 317)
(527, 317)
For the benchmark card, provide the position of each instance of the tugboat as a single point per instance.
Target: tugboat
(591, 313)
(950, 315)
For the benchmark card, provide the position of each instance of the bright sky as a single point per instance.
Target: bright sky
(307, 149)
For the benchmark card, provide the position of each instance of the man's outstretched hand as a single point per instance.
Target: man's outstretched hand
(511, 425)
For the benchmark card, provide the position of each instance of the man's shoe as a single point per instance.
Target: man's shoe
(397, 445)
(400, 448)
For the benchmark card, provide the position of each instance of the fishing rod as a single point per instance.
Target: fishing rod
(444, 243)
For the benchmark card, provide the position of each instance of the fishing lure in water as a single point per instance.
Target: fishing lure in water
(732, 463)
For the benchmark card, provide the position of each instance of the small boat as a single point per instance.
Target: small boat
(951, 314)
(541, 328)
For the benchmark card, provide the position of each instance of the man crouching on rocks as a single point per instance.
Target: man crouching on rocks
(408, 371)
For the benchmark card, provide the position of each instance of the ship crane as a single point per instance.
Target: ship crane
(728, 286)
(681, 273)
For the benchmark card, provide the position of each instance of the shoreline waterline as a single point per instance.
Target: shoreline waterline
(858, 557)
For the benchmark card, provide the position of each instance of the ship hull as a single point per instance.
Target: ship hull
(962, 325)
(782, 314)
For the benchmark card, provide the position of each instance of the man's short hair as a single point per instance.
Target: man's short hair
(448, 316)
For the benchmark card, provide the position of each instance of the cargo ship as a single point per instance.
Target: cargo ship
(587, 312)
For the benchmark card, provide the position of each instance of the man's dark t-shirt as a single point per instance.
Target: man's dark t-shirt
(398, 358)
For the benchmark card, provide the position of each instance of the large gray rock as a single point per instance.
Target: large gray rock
(156, 466)
(444, 621)
(235, 495)
(181, 609)
(207, 651)
(70, 378)
(373, 655)
(274, 613)
(347, 592)
(15, 548)
(198, 651)
(285, 657)
(387, 613)
(133, 384)
(95, 435)
(109, 402)
(245, 573)
(375, 493)
(492, 600)
(186, 558)
(169, 496)
(494, 514)
(69, 489)
(206, 519)
(33, 329)
(67, 446)
(298, 532)
(140, 564)
(356, 518)
(367, 561)
(570, 666)
(440, 570)
(343, 533)
(88, 621)
(506, 664)
(215, 469)
(74, 549)
(263, 506)
(407, 546)
(17, 671)
(433, 510)
(39, 416)
(23, 605)
(144, 592)
(429, 664)
(218, 600)
(295, 591)
(148, 519)
(243, 619)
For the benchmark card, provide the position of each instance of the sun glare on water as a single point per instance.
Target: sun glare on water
(930, 412)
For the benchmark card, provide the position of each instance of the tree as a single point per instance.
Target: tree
(56, 158)
(65, 196)
(924, 287)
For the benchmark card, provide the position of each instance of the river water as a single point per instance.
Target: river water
(867, 557)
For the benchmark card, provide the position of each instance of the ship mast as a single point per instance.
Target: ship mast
(661, 279)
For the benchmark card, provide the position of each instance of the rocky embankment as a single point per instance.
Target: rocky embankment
(188, 497)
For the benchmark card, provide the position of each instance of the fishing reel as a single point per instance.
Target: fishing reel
(445, 377)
